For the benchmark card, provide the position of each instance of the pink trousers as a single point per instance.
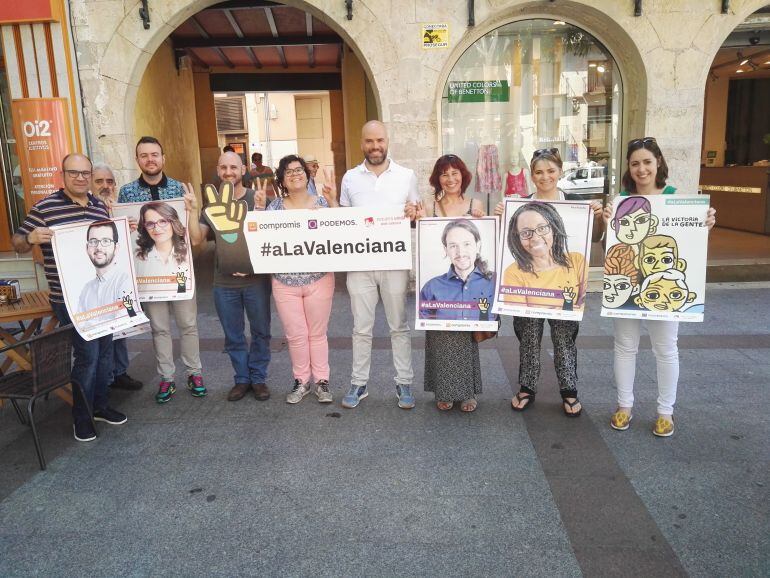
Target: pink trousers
(304, 313)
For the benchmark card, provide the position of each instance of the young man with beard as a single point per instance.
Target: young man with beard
(154, 185)
(104, 186)
(376, 182)
(238, 293)
(92, 367)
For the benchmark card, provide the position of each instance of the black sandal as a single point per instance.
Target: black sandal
(522, 396)
(571, 404)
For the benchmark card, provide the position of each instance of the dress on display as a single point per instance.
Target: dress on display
(488, 170)
(516, 184)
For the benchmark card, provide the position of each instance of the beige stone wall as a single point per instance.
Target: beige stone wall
(165, 109)
(663, 57)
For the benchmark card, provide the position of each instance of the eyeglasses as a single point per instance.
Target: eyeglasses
(541, 230)
(292, 172)
(541, 152)
(75, 174)
(152, 225)
(640, 142)
(106, 242)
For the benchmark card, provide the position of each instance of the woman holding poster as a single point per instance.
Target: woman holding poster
(538, 241)
(304, 300)
(452, 365)
(646, 175)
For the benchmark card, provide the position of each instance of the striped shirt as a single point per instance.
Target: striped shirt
(59, 209)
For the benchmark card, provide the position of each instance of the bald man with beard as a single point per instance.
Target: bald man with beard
(238, 293)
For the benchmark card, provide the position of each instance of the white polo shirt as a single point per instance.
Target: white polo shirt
(362, 188)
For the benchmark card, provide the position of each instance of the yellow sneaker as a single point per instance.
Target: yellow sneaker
(620, 420)
(664, 427)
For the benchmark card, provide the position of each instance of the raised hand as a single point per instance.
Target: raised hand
(128, 303)
(181, 282)
(569, 298)
(260, 194)
(483, 304)
(329, 189)
(190, 200)
(224, 213)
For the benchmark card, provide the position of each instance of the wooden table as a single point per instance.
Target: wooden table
(30, 311)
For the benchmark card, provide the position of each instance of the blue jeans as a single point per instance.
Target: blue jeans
(92, 369)
(120, 352)
(250, 364)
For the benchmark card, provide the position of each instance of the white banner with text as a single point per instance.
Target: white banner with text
(341, 239)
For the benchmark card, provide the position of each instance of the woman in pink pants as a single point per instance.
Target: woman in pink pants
(304, 300)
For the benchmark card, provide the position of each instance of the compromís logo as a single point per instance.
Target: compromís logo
(252, 227)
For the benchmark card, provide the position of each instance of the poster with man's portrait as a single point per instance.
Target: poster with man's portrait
(455, 274)
(655, 264)
(160, 246)
(97, 276)
(543, 259)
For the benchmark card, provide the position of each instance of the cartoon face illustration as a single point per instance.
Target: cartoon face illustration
(665, 291)
(659, 253)
(618, 289)
(633, 220)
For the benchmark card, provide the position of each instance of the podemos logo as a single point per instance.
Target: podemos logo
(312, 224)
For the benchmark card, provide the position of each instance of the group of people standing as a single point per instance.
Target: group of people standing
(304, 299)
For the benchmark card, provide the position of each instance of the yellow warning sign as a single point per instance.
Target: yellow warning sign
(435, 36)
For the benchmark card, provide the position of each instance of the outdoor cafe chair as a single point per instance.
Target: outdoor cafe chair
(50, 356)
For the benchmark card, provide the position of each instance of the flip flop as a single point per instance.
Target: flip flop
(468, 405)
(529, 398)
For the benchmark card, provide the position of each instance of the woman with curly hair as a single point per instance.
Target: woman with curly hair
(162, 248)
(621, 278)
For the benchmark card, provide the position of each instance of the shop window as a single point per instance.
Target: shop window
(529, 85)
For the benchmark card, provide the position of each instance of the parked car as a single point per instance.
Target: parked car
(584, 181)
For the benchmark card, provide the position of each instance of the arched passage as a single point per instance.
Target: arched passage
(111, 89)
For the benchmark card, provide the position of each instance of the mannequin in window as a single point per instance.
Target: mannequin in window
(517, 178)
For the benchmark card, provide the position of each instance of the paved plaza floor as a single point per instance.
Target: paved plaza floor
(215, 488)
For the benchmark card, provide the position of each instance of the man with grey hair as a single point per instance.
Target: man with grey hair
(104, 187)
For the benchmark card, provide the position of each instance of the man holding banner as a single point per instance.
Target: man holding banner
(92, 369)
(376, 182)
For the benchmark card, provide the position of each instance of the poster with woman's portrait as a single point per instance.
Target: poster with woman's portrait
(543, 259)
(97, 276)
(655, 264)
(161, 249)
(455, 274)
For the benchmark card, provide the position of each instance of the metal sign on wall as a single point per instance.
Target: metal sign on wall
(28, 11)
(42, 130)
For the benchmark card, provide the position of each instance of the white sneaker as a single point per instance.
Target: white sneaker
(298, 393)
(322, 391)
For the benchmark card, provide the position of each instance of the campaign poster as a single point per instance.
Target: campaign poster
(160, 247)
(655, 264)
(543, 259)
(339, 239)
(97, 276)
(456, 274)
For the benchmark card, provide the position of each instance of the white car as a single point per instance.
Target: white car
(588, 181)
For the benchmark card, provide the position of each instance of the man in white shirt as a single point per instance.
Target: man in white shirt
(111, 284)
(377, 182)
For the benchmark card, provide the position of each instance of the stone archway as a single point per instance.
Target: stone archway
(119, 59)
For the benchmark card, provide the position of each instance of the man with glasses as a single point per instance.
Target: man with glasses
(92, 367)
(104, 186)
(154, 185)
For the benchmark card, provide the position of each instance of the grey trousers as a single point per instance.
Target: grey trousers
(185, 314)
(365, 289)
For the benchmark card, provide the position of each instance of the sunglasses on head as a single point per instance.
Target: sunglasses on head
(541, 152)
(640, 142)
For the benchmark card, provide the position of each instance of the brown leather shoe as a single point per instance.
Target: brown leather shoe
(238, 391)
(261, 392)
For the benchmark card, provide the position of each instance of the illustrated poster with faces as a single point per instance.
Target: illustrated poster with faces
(543, 259)
(160, 247)
(97, 276)
(456, 274)
(655, 265)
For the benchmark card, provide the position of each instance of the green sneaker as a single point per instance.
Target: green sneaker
(166, 389)
(195, 385)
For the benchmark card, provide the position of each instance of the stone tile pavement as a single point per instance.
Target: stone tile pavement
(210, 487)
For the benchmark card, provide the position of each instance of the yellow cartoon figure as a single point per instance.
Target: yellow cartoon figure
(665, 291)
(224, 213)
(659, 253)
